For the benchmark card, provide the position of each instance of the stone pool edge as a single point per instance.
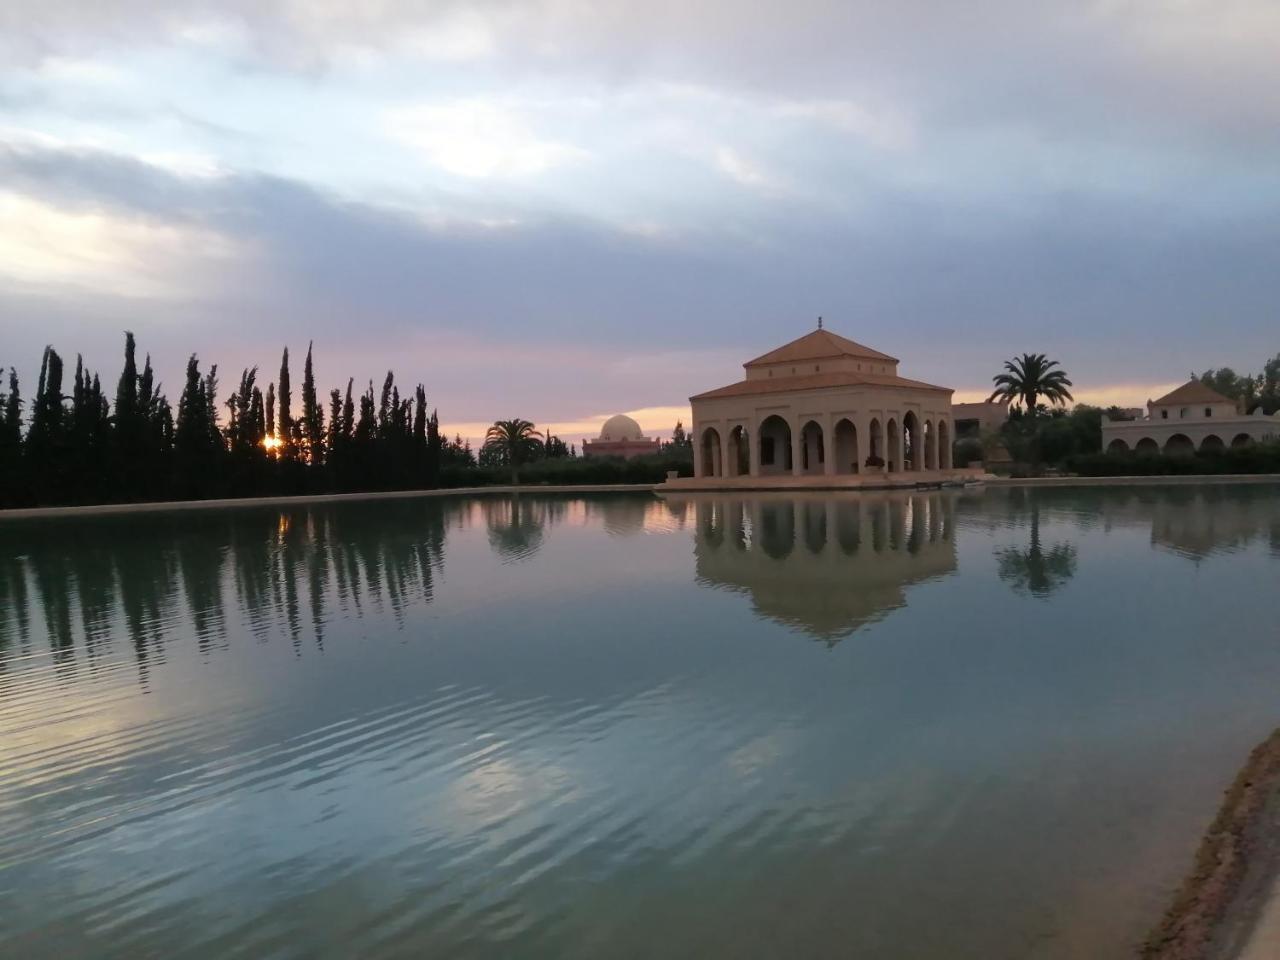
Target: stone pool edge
(165, 506)
(1230, 900)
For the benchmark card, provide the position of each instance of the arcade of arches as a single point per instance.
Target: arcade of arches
(822, 406)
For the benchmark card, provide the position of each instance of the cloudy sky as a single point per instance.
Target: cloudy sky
(560, 209)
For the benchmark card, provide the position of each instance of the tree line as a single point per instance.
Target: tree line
(75, 445)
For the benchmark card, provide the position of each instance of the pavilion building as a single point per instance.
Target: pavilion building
(819, 409)
(1192, 417)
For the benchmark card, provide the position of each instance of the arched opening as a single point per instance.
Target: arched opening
(711, 464)
(777, 528)
(875, 447)
(1179, 445)
(893, 445)
(930, 446)
(944, 445)
(911, 451)
(845, 443)
(812, 449)
(775, 446)
(1212, 444)
(1147, 445)
(1117, 446)
(1241, 440)
(739, 459)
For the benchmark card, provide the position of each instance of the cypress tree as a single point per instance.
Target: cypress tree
(312, 416)
(127, 388)
(285, 433)
(193, 451)
(12, 486)
(46, 440)
(271, 410)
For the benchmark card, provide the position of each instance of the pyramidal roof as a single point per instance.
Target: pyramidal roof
(818, 345)
(1193, 391)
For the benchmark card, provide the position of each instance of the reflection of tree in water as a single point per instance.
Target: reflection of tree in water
(516, 527)
(151, 579)
(1037, 570)
(14, 621)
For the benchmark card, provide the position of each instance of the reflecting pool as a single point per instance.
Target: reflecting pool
(986, 724)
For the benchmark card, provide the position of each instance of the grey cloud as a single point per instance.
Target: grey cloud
(1086, 70)
(948, 289)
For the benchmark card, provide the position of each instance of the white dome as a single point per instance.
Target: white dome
(621, 427)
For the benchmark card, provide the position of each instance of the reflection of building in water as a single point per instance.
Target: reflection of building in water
(824, 564)
(1194, 521)
(1207, 522)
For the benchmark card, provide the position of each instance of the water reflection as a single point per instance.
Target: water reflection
(594, 716)
(825, 565)
(1035, 569)
(1193, 521)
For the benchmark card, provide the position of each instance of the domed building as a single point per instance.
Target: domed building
(620, 437)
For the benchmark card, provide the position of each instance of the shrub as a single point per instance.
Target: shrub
(967, 451)
(1254, 458)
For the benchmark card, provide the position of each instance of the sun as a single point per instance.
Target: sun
(271, 443)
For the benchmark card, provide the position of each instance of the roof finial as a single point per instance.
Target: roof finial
(819, 323)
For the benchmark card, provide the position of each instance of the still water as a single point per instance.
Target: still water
(938, 725)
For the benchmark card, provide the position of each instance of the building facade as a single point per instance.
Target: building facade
(620, 437)
(822, 406)
(1192, 417)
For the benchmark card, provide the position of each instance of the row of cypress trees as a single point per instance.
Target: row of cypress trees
(78, 447)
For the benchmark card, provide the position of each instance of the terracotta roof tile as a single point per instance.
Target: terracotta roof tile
(818, 345)
(1193, 391)
(816, 381)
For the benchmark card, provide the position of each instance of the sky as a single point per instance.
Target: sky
(560, 209)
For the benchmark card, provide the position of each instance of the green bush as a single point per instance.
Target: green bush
(572, 471)
(967, 451)
(1254, 458)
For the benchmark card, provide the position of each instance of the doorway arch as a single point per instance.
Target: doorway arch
(845, 446)
(711, 456)
(775, 446)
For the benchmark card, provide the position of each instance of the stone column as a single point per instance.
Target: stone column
(931, 453)
(797, 461)
(828, 446)
(753, 447)
(699, 468)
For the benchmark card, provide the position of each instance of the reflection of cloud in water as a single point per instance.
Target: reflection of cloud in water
(496, 788)
(824, 564)
(757, 755)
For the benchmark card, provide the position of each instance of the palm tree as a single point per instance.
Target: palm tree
(1028, 378)
(515, 441)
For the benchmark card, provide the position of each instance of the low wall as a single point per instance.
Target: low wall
(821, 481)
(1164, 481)
(162, 506)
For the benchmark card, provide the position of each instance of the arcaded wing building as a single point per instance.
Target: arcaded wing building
(822, 406)
(1192, 417)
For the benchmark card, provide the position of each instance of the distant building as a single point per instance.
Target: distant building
(620, 437)
(975, 419)
(1192, 417)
